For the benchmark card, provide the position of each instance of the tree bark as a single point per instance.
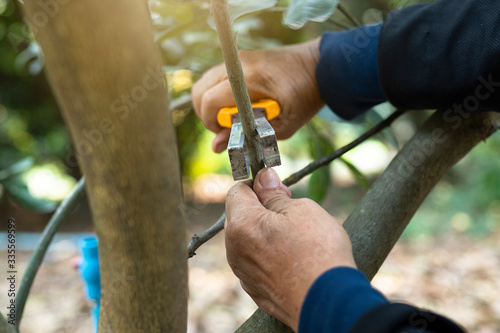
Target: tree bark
(105, 70)
(379, 219)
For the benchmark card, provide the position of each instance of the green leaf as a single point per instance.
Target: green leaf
(360, 177)
(388, 135)
(300, 12)
(18, 167)
(319, 145)
(238, 8)
(19, 192)
(319, 184)
(320, 179)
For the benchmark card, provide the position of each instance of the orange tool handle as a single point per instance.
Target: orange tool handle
(272, 108)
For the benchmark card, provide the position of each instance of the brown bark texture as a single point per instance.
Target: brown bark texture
(379, 219)
(105, 71)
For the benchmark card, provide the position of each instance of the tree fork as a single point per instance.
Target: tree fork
(382, 215)
(110, 88)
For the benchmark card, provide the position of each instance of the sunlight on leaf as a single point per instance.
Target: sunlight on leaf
(300, 12)
(49, 181)
(238, 8)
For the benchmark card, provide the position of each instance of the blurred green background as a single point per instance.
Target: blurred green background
(37, 167)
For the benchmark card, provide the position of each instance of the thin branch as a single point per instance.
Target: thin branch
(379, 219)
(227, 39)
(349, 16)
(325, 160)
(198, 240)
(64, 209)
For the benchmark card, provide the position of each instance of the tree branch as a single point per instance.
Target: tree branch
(383, 213)
(227, 39)
(379, 219)
(325, 160)
(198, 240)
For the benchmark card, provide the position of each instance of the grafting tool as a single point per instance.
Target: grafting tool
(264, 110)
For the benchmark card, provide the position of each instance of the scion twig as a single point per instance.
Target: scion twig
(198, 240)
(227, 39)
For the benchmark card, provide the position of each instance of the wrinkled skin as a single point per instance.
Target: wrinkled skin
(275, 245)
(278, 246)
(285, 74)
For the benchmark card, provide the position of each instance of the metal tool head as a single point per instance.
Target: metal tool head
(268, 146)
(238, 156)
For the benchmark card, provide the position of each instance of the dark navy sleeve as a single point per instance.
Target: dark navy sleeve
(336, 301)
(442, 54)
(342, 300)
(347, 72)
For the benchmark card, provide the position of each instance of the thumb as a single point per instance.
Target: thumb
(270, 190)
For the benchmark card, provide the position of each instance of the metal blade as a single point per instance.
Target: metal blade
(240, 165)
(268, 142)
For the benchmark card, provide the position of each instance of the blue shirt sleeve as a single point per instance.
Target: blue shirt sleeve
(336, 300)
(347, 72)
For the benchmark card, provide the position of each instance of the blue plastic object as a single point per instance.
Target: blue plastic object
(89, 272)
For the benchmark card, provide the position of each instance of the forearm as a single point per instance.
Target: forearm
(336, 301)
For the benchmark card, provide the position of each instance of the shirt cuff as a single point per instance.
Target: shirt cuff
(336, 300)
(347, 71)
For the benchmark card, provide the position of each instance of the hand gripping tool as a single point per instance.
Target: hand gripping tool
(264, 110)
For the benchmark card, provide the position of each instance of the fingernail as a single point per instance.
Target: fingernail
(269, 179)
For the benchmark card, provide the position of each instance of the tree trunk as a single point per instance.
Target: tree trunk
(105, 70)
(379, 219)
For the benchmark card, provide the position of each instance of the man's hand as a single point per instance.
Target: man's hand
(286, 74)
(278, 246)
